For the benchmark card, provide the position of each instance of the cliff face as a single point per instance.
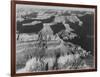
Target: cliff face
(84, 32)
(76, 27)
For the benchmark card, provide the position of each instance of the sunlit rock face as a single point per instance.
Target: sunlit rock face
(70, 57)
(73, 18)
(46, 30)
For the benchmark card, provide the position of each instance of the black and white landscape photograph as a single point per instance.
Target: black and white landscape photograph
(54, 38)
